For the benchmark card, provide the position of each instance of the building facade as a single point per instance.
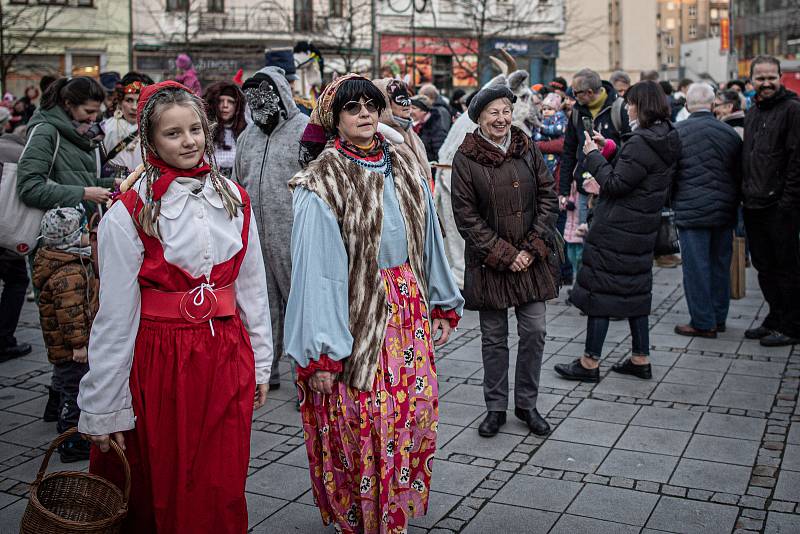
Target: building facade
(448, 42)
(768, 27)
(64, 38)
(223, 36)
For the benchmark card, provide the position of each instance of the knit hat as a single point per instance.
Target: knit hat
(62, 228)
(553, 101)
(109, 81)
(558, 83)
(183, 62)
(422, 102)
(283, 59)
(486, 96)
(5, 114)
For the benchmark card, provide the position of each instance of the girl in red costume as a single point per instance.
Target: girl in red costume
(182, 336)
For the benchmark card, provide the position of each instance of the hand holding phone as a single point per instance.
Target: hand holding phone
(588, 127)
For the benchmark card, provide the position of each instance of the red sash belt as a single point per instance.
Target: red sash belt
(199, 305)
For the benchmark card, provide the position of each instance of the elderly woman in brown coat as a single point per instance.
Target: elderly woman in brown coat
(505, 207)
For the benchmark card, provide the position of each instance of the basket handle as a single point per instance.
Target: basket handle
(68, 434)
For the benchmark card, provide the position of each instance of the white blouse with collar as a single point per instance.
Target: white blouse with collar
(196, 234)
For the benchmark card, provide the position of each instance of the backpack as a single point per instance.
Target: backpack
(19, 223)
(616, 116)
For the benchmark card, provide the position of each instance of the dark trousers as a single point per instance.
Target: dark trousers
(531, 326)
(14, 274)
(597, 328)
(775, 251)
(567, 271)
(66, 379)
(706, 255)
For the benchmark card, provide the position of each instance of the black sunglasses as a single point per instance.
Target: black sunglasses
(354, 108)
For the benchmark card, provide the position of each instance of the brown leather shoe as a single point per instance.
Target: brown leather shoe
(689, 330)
(668, 262)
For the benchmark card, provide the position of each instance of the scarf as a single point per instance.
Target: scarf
(373, 153)
(596, 105)
(168, 174)
(404, 124)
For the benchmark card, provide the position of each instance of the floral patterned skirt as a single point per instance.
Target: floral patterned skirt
(370, 452)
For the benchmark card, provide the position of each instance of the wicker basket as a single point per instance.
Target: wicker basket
(72, 501)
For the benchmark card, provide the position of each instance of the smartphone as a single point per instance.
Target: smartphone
(588, 127)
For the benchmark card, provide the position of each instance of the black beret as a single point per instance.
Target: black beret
(486, 96)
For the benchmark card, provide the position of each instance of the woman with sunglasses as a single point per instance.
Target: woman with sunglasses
(369, 275)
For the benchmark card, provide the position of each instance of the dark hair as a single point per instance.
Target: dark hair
(729, 96)
(45, 82)
(356, 89)
(737, 83)
(765, 59)
(650, 101)
(666, 87)
(133, 76)
(76, 91)
(212, 95)
(685, 82)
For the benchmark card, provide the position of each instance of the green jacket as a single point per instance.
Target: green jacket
(75, 165)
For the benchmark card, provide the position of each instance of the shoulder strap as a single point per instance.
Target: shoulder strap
(616, 114)
(120, 146)
(55, 152)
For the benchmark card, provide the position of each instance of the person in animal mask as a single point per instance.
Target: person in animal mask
(265, 161)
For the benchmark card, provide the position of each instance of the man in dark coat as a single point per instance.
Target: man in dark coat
(705, 200)
(771, 190)
(428, 124)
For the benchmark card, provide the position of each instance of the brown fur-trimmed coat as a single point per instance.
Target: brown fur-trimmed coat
(504, 203)
(67, 302)
(355, 196)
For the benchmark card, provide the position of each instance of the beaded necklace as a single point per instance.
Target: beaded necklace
(385, 162)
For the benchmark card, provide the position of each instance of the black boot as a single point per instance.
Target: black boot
(15, 351)
(74, 450)
(535, 422)
(491, 425)
(576, 371)
(757, 333)
(51, 409)
(627, 367)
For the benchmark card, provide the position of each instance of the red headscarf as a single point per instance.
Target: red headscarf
(167, 173)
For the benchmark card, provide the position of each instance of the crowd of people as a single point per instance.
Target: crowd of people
(235, 229)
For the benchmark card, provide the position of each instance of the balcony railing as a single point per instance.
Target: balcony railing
(254, 20)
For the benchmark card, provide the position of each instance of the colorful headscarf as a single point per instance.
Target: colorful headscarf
(320, 126)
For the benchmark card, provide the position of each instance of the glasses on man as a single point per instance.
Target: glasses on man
(354, 108)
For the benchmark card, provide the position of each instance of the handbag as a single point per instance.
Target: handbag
(667, 237)
(19, 223)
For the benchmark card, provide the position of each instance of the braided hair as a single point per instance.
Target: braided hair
(148, 121)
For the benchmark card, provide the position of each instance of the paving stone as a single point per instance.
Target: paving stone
(260, 507)
(638, 465)
(692, 516)
(749, 501)
(781, 506)
(682, 393)
(572, 524)
(472, 444)
(791, 458)
(742, 399)
(588, 432)
(718, 449)
(678, 492)
(294, 517)
(788, 487)
(496, 517)
(693, 377)
(667, 418)
(650, 487)
(754, 368)
(778, 523)
(465, 394)
(610, 412)
(12, 515)
(10, 396)
(541, 493)
(700, 495)
(655, 440)
(703, 363)
(456, 479)
(731, 426)
(794, 433)
(459, 414)
(627, 388)
(711, 476)
(617, 504)
(569, 456)
(294, 481)
(752, 384)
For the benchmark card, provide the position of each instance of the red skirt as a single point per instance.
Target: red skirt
(192, 394)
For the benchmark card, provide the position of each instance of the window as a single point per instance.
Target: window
(177, 5)
(692, 12)
(336, 8)
(670, 24)
(84, 3)
(86, 65)
(714, 13)
(670, 6)
(669, 40)
(692, 30)
(303, 15)
(216, 6)
(670, 59)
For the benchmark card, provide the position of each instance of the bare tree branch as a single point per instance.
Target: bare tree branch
(20, 27)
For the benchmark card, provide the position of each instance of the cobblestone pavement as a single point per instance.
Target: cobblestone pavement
(711, 444)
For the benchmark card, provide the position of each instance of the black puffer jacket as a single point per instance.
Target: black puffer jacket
(616, 279)
(706, 189)
(433, 133)
(572, 161)
(771, 153)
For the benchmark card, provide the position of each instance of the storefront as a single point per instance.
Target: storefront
(448, 63)
(213, 63)
(537, 56)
